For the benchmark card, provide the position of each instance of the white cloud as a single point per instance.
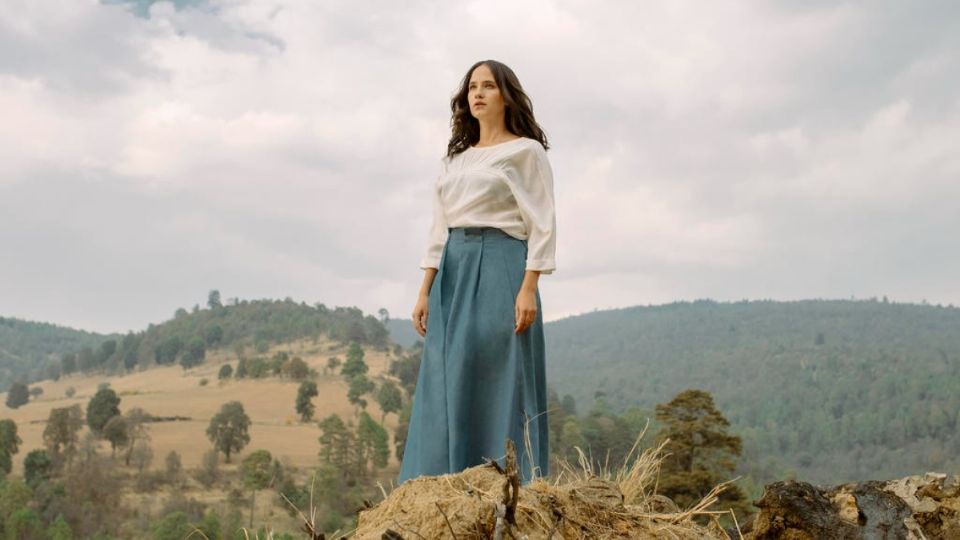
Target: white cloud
(267, 149)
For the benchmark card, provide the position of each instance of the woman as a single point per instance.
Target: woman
(482, 377)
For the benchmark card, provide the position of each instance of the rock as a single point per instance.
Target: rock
(913, 508)
(792, 510)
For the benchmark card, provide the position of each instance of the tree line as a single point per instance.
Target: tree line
(239, 325)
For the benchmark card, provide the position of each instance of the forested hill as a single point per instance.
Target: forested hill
(242, 325)
(25, 344)
(832, 390)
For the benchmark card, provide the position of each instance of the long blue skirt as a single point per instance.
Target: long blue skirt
(479, 382)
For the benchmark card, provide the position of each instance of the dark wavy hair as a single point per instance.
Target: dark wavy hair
(518, 110)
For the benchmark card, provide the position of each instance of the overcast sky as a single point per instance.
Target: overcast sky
(151, 152)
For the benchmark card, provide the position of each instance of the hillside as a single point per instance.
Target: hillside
(402, 332)
(170, 391)
(40, 351)
(188, 399)
(828, 390)
(27, 347)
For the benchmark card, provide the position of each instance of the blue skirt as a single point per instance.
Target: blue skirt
(479, 382)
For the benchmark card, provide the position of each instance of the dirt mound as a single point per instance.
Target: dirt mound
(479, 503)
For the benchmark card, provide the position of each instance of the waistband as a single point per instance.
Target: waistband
(469, 233)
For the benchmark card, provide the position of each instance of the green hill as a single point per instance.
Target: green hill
(402, 332)
(830, 390)
(38, 351)
(28, 348)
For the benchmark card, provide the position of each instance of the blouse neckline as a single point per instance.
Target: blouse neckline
(498, 144)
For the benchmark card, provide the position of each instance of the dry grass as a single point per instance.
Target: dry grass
(170, 391)
(581, 502)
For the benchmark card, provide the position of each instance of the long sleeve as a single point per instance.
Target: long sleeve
(532, 187)
(438, 232)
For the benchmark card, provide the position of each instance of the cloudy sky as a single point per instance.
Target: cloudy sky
(152, 151)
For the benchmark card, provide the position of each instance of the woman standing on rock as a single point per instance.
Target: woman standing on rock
(482, 375)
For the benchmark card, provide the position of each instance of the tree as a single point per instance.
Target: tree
(106, 350)
(14, 495)
(136, 419)
(68, 363)
(141, 455)
(304, 405)
(195, 353)
(37, 467)
(209, 471)
(17, 395)
(359, 386)
(131, 350)
(229, 429)
(60, 436)
(296, 368)
(226, 371)
(354, 365)
(256, 471)
(372, 444)
(167, 351)
(333, 363)
(103, 406)
(210, 526)
(702, 453)
(173, 526)
(60, 529)
(213, 300)
(9, 445)
(400, 432)
(407, 368)
(24, 523)
(174, 466)
(389, 398)
(213, 335)
(117, 431)
(336, 443)
(85, 359)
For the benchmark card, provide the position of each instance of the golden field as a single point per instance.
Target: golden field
(170, 391)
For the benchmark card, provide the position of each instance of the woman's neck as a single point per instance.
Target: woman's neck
(493, 133)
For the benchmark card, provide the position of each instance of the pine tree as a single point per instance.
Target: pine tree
(359, 386)
(372, 444)
(337, 444)
(389, 398)
(354, 366)
(702, 453)
(9, 445)
(256, 471)
(304, 405)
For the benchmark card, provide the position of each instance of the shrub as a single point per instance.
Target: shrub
(226, 371)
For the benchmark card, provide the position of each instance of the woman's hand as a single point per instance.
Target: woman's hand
(526, 309)
(420, 314)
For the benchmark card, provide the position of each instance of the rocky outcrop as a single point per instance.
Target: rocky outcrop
(915, 507)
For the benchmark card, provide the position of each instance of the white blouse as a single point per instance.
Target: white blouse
(507, 185)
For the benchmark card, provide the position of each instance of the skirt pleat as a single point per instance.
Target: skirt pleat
(479, 382)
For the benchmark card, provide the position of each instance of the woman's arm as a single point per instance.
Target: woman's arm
(525, 308)
(420, 310)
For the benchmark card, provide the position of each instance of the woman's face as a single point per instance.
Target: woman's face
(484, 95)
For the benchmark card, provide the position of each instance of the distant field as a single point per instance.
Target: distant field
(170, 391)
